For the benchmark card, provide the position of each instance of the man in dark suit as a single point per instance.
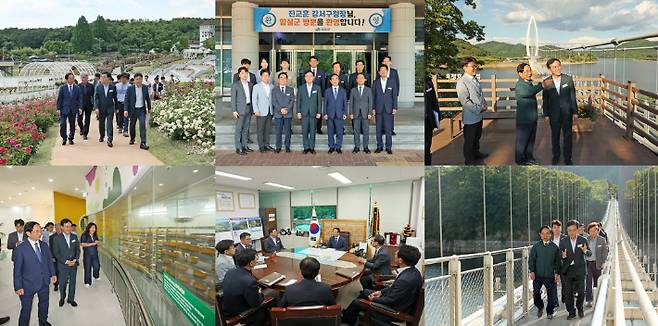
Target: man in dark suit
(380, 263)
(360, 106)
(244, 244)
(69, 102)
(395, 79)
(58, 230)
(335, 113)
(308, 291)
(385, 107)
(84, 116)
(573, 250)
(273, 242)
(67, 252)
(319, 79)
(247, 64)
(137, 105)
(241, 96)
(401, 296)
(431, 123)
(343, 79)
(241, 291)
(560, 107)
(337, 241)
(105, 103)
(309, 108)
(283, 105)
(360, 66)
(16, 237)
(33, 274)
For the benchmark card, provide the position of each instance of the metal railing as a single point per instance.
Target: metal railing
(130, 300)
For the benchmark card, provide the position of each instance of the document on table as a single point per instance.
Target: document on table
(260, 266)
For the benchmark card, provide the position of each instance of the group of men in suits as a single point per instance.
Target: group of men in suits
(559, 107)
(573, 259)
(122, 99)
(240, 290)
(37, 264)
(332, 98)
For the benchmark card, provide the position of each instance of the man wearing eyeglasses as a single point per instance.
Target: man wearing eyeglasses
(473, 104)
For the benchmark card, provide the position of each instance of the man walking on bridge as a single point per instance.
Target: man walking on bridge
(574, 249)
(544, 264)
(599, 247)
(559, 105)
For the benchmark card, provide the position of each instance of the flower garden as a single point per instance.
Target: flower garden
(23, 127)
(187, 113)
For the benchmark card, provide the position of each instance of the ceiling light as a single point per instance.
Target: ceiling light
(50, 180)
(195, 171)
(84, 194)
(279, 185)
(341, 178)
(233, 176)
(76, 189)
(33, 188)
(20, 194)
(10, 198)
(160, 184)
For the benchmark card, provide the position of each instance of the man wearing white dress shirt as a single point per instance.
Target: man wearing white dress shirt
(242, 110)
(137, 105)
(262, 104)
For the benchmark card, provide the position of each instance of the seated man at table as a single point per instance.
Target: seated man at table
(244, 244)
(224, 262)
(308, 292)
(273, 243)
(337, 241)
(401, 296)
(241, 291)
(380, 263)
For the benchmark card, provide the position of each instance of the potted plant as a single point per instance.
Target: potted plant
(587, 116)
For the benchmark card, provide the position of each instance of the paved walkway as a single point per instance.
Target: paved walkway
(605, 145)
(296, 158)
(93, 152)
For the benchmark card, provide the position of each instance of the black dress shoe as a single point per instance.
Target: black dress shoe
(481, 156)
(313, 151)
(269, 148)
(555, 161)
(262, 150)
(100, 140)
(581, 313)
(71, 142)
(389, 152)
(339, 151)
(287, 149)
(366, 150)
(393, 133)
(109, 144)
(247, 149)
(568, 162)
(132, 142)
(571, 316)
(355, 150)
(331, 150)
(4, 320)
(379, 150)
(84, 137)
(240, 152)
(73, 303)
(305, 151)
(278, 150)
(125, 134)
(144, 146)
(64, 142)
(61, 302)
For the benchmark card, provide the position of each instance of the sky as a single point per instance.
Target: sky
(562, 22)
(59, 13)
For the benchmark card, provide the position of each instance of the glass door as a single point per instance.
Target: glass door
(346, 60)
(300, 63)
(326, 58)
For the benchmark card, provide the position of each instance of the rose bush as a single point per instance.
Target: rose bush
(187, 112)
(23, 127)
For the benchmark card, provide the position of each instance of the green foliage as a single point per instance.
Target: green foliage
(82, 38)
(443, 22)
(58, 47)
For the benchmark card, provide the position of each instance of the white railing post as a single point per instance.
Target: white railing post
(488, 290)
(509, 286)
(526, 288)
(455, 270)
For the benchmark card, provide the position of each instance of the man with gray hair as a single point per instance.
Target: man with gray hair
(84, 116)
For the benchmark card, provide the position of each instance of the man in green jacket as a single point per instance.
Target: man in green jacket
(544, 265)
(526, 114)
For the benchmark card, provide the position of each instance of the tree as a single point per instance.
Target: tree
(99, 28)
(443, 22)
(59, 47)
(82, 39)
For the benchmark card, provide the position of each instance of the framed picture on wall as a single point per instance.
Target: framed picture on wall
(224, 201)
(247, 200)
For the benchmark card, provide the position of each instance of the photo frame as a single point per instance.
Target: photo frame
(246, 200)
(225, 201)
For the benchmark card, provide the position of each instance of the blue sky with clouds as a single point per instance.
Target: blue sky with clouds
(575, 22)
(58, 13)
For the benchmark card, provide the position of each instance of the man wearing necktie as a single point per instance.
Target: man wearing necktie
(33, 273)
(69, 102)
(283, 101)
(309, 108)
(385, 107)
(360, 105)
(105, 102)
(318, 79)
(544, 266)
(473, 104)
(87, 94)
(67, 253)
(335, 108)
(137, 106)
(574, 249)
(380, 263)
(337, 241)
